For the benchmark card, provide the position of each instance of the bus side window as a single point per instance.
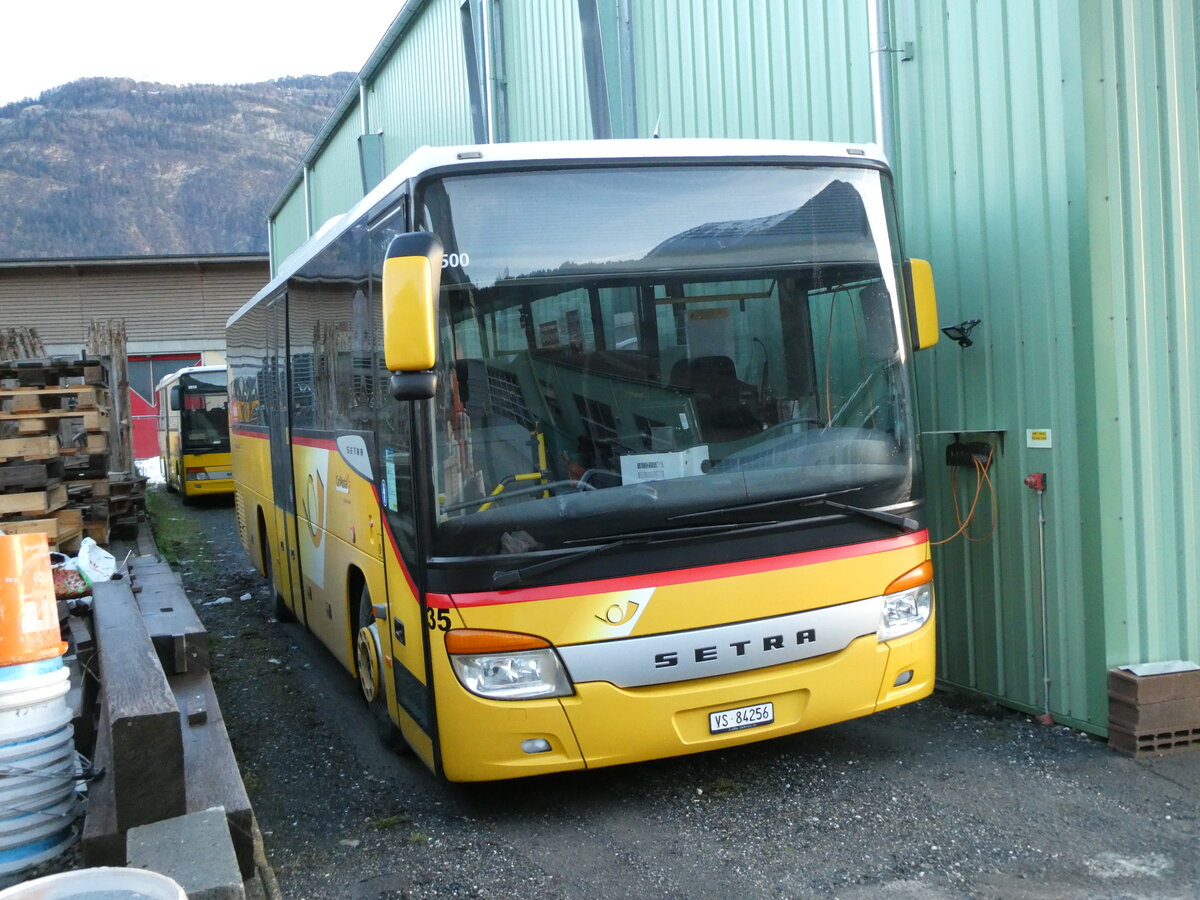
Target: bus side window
(393, 417)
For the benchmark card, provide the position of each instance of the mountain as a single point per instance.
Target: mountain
(115, 167)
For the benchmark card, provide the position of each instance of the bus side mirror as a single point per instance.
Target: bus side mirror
(412, 275)
(174, 398)
(922, 303)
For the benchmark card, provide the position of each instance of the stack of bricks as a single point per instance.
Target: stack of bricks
(1153, 714)
(54, 453)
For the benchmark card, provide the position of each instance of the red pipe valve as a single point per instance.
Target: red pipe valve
(1036, 481)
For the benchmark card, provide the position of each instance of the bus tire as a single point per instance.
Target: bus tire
(279, 609)
(368, 664)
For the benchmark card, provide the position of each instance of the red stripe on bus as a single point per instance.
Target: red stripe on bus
(387, 529)
(246, 432)
(319, 443)
(679, 576)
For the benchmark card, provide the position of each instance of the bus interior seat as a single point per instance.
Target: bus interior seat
(723, 401)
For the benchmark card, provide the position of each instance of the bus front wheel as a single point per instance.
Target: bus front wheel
(368, 651)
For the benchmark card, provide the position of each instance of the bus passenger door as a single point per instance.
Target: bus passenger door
(404, 633)
(285, 565)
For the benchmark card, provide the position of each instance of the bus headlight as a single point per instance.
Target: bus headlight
(905, 612)
(908, 603)
(504, 666)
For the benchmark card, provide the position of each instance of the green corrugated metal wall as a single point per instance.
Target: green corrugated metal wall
(753, 68)
(289, 227)
(983, 161)
(546, 95)
(1142, 191)
(419, 95)
(335, 180)
(1047, 162)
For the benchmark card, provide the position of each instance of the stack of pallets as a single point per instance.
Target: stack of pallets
(55, 453)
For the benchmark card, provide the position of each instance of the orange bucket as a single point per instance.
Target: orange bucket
(28, 613)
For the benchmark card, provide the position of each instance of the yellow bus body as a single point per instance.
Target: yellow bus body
(189, 470)
(316, 506)
(341, 539)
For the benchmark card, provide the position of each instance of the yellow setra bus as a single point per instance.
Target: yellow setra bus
(579, 454)
(193, 432)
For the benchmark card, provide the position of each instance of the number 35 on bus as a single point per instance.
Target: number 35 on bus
(579, 454)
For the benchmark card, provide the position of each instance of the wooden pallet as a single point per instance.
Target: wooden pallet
(87, 444)
(64, 529)
(53, 371)
(24, 449)
(49, 421)
(33, 503)
(37, 399)
(19, 477)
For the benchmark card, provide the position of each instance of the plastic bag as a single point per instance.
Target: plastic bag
(95, 563)
(68, 581)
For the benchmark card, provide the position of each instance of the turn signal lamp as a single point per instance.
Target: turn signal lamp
(907, 603)
(501, 665)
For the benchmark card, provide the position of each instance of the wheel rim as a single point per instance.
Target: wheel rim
(368, 662)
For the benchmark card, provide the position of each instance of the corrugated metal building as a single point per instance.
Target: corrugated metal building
(174, 310)
(1046, 160)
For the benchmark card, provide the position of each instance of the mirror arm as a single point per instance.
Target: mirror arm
(413, 385)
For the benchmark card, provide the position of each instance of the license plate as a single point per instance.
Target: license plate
(742, 717)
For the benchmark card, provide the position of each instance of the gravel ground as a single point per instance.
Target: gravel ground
(948, 798)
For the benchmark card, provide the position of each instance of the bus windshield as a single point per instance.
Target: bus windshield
(627, 349)
(203, 412)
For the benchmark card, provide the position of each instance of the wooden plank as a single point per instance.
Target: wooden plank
(97, 531)
(103, 842)
(179, 637)
(213, 775)
(31, 399)
(144, 729)
(34, 503)
(88, 487)
(29, 448)
(47, 420)
(24, 476)
(48, 527)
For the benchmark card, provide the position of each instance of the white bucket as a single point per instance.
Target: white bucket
(38, 766)
(32, 699)
(114, 883)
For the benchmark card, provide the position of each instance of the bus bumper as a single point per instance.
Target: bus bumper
(603, 725)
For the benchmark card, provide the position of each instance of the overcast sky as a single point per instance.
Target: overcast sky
(45, 43)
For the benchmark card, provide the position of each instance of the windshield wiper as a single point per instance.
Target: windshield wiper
(503, 578)
(902, 522)
(509, 577)
(762, 504)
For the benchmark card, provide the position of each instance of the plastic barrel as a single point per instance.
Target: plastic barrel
(28, 613)
(38, 766)
(128, 884)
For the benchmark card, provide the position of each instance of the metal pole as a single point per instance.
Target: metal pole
(879, 34)
(1037, 483)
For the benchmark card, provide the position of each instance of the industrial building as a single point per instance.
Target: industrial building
(1045, 161)
(174, 309)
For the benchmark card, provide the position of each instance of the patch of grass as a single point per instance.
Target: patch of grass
(417, 838)
(174, 534)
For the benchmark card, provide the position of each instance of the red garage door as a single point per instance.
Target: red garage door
(144, 373)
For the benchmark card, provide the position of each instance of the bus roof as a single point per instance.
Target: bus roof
(187, 370)
(424, 159)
